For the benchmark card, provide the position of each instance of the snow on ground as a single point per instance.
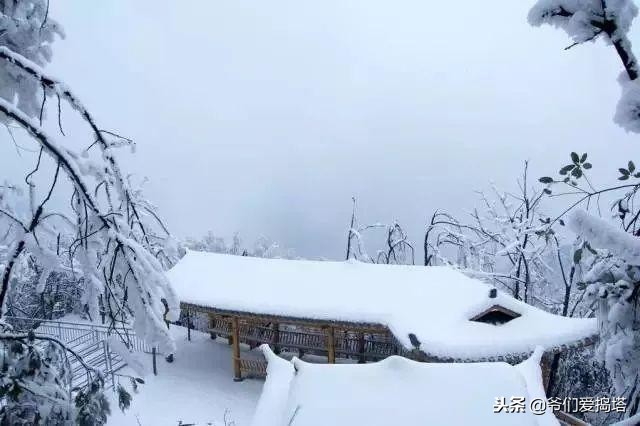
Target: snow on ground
(196, 388)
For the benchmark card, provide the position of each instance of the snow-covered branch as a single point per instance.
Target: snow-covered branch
(603, 234)
(588, 20)
(107, 238)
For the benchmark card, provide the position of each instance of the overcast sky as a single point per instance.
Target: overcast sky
(267, 117)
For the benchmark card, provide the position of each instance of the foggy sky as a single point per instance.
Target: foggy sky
(267, 117)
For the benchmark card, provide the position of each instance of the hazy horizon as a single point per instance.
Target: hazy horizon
(268, 118)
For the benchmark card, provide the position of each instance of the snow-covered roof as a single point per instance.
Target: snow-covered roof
(398, 391)
(435, 303)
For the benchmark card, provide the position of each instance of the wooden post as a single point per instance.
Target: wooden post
(230, 334)
(361, 357)
(155, 368)
(276, 337)
(212, 325)
(188, 325)
(331, 346)
(235, 332)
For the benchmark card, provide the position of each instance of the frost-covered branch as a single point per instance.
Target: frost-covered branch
(588, 20)
(506, 239)
(104, 237)
(609, 259)
(601, 233)
(398, 248)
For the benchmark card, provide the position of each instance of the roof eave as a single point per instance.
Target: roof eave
(510, 358)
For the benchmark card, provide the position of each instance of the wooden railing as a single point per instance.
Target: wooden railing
(253, 368)
(368, 347)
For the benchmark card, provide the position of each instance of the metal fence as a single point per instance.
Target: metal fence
(89, 341)
(68, 332)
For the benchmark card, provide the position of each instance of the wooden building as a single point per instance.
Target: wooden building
(357, 312)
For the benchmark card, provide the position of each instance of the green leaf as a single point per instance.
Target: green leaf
(577, 256)
(124, 398)
(566, 169)
(545, 179)
(561, 222)
(637, 175)
(624, 171)
(134, 384)
(631, 167)
(623, 177)
(583, 158)
(547, 191)
(575, 158)
(587, 166)
(577, 172)
(16, 348)
(14, 391)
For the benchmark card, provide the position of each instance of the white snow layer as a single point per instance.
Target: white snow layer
(397, 391)
(603, 235)
(627, 113)
(195, 389)
(435, 303)
(575, 16)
